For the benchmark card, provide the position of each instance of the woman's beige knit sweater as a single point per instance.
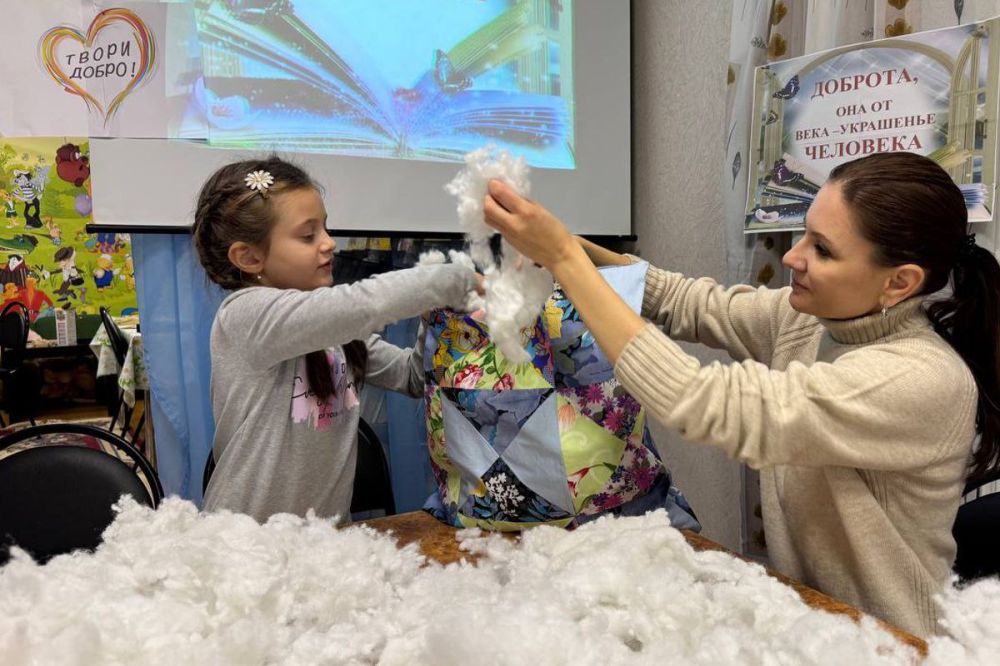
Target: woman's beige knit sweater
(862, 430)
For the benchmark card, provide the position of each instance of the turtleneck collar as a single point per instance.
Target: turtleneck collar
(908, 315)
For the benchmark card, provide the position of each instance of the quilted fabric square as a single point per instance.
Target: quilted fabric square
(552, 441)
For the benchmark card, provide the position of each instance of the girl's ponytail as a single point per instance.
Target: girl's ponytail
(320, 375)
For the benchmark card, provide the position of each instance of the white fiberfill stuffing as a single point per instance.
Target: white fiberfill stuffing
(173, 586)
(516, 290)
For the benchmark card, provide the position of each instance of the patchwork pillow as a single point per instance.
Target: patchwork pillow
(555, 441)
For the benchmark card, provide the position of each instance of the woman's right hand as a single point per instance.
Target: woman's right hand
(534, 231)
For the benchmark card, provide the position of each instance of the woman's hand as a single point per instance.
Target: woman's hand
(538, 235)
(534, 231)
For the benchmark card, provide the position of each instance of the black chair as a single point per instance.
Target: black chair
(119, 345)
(977, 533)
(207, 474)
(18, 386)
(372, 483)
(57, 497)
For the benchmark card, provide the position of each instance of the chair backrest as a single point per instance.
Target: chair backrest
(207, 474)
(57, 498)
(977, 535)
(974, 484)
(372, 481)
(14, 324)
(118, 342)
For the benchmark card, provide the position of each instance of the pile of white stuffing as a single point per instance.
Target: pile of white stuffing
(174, 586)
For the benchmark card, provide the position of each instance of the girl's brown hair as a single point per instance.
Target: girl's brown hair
(910, 209)
(229, 211)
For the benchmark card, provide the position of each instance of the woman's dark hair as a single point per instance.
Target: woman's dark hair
(229, 211)
(910, 209)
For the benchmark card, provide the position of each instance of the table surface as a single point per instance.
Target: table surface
(437, 542)
(82, 348)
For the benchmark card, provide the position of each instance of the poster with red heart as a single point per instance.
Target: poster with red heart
(74, 68)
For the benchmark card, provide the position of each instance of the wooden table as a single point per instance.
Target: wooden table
(437, 542)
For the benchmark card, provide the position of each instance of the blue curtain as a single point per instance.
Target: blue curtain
(177, 304)
(409, 463)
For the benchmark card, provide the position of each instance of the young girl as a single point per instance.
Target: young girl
(288, 350)
(857, 391)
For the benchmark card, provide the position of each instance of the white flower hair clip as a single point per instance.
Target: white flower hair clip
(260, 181)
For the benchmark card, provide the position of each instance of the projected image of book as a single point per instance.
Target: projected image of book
(427, 80)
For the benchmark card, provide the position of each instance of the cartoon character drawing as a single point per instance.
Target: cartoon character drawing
(10, 208)
(128, 273)
(87, 240)
(19, 243)
(55, 233)
(71, 165)
(90, 242)
(36, 299)
(28, 188)
(15, 271)
(66, 258)
(106, 242)
(105, 272)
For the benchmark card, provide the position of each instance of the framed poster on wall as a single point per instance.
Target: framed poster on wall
(933, 93)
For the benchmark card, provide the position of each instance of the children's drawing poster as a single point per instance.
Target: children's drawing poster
(75, 68)
(47, 258)
(932, 93)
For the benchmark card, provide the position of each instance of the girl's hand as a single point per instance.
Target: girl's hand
(534, 231)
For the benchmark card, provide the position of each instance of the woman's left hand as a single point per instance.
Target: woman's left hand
(534, 231)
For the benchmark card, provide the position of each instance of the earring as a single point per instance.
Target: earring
(259, 279)
(884, 312)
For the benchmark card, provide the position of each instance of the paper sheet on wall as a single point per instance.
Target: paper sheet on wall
(80, 68)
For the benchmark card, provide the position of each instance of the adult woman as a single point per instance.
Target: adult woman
(856, 395)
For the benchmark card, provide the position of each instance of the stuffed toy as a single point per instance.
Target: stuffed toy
(555, 440)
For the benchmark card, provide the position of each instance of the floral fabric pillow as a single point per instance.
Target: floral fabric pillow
(554, 441)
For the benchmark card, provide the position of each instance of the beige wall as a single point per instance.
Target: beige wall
(679, 51)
